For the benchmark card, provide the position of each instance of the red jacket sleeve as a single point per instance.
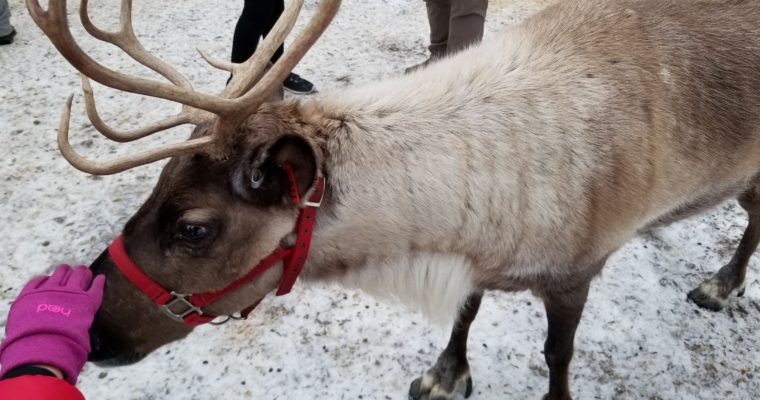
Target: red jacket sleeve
(34, 387)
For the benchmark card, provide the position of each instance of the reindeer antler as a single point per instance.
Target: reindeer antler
(247, 90)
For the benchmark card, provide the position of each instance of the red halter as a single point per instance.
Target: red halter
(188, 308)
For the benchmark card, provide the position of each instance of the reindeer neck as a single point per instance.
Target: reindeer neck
(410, 166)
(453, 161)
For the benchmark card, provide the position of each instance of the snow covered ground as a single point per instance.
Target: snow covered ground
(639, 338)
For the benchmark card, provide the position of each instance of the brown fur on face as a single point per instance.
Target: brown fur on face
(242, 225)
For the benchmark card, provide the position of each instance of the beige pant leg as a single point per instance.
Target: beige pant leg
(467, 18)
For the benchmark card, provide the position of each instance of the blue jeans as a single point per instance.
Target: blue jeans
(5, 18)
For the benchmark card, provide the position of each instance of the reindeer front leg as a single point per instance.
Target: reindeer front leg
(563, 312)
(450, 376)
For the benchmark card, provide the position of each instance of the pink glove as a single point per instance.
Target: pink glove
(49, 321)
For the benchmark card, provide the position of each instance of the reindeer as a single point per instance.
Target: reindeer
(519, 164)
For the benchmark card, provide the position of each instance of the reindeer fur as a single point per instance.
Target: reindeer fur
(519, 164)
(539, 153)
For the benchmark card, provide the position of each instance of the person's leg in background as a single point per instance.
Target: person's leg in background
(293, 83)
(6, 29)
(439, 15)
(256, 20)
(438, 18)
(251, 26)
(278, 6)
(468, 17)
(454, 25)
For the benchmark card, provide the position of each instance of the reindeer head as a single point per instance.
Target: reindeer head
(224, 201)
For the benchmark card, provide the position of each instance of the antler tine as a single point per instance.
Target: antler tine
(127, 162)
(273, 79)
(249, 72)
(219, 64)
(126, 40)
(182, 118)
(54, 23)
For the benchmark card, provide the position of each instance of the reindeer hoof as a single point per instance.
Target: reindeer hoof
(434, 386)
(742, 289)
(711, 295)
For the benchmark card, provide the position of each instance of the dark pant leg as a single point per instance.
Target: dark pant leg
(251, 26)
(279, 7)
(438, 18)
(5, 18)
(468, 18)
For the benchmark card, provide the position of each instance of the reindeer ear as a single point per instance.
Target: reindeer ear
(297, 152)
(264, 180)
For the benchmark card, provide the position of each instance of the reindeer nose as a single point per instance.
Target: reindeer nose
(97, 352)
(107, 350)
(101, 345)
(98, 267)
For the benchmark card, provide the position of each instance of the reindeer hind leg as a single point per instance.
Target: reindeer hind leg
(450, 377)
(713, 293)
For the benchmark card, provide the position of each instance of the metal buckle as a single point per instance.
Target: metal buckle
(314, 204)
(179, 298)
(318, 203)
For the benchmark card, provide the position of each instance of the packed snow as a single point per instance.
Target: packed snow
(639, 337)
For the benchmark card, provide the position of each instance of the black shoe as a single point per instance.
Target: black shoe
(295, 84)
(7, 39)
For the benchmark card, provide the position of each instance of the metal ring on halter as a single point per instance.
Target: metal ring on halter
(227, 318)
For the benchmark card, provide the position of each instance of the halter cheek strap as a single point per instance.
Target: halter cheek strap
(188, 308)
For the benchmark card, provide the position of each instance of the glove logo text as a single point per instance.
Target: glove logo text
(56, 309)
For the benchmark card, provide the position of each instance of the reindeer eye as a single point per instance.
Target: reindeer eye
(193, 232)
(257, 178)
